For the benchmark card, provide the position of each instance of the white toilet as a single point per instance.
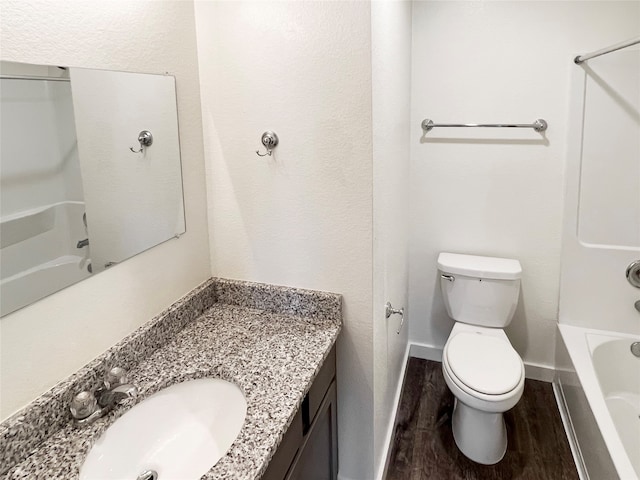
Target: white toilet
(481, 368)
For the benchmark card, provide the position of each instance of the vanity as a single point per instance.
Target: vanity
(276, 344)
(309, 448)
(110, 188)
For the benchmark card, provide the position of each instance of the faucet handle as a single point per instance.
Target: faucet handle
(114, 377)
(83, 405)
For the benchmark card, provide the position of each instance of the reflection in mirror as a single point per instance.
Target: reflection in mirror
(78, 192)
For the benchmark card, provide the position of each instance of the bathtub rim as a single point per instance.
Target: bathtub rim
(63, 261)
(580, 352)
(29, 212)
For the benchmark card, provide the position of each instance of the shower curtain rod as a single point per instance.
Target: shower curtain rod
(582, 58)
(34, 77)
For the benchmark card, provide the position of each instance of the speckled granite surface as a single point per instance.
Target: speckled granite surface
(272, 352)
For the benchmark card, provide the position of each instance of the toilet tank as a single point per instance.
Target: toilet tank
(479, 290)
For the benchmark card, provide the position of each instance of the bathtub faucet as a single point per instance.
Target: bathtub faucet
(82, 243)
(635, 348)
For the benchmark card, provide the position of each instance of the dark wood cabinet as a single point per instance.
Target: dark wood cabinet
(309, 449)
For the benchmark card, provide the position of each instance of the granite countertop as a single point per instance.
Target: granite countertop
(273, 354)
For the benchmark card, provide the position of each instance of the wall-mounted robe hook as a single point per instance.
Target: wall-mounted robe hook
(146, 140)
(270, 141)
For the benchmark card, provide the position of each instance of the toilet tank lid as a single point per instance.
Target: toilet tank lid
(480, 267)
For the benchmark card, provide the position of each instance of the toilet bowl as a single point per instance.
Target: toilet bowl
(486, 376)
(479, 365)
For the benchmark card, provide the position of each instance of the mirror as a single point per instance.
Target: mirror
(82, 188)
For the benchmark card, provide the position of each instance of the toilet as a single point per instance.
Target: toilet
(480, 367)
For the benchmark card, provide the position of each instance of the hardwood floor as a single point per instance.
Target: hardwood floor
(424, 448)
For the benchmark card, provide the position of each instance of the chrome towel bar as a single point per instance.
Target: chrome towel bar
(539, 125)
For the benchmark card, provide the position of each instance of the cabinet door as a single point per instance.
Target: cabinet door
(318, 458)
(281, 462)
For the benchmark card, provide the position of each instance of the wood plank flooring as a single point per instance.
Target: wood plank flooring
(424, 448)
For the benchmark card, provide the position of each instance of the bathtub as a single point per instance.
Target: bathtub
(28, 286)
(598, 388)
(39, 254)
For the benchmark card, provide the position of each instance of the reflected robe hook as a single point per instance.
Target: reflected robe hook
(270, 141)
(146, 140)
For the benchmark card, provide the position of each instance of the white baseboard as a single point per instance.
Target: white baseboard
(533, 371)
(426, 352)
(544, 373)
(383, 462)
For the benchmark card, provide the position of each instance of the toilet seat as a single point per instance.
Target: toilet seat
(481, 401)
(483, 363)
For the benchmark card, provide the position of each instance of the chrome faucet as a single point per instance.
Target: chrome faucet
(110, 398)
(82, 243)
(86, 407)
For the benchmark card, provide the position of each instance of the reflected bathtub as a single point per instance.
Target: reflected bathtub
(598, 386)
(26, 287)
(39, 253)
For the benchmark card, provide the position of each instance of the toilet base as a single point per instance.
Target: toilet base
(481, 436)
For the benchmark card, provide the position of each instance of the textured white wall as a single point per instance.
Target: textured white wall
(47, 341)
(304, 216)
(391, 88)
(497, 192)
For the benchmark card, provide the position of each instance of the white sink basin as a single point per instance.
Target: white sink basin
(179, 432)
